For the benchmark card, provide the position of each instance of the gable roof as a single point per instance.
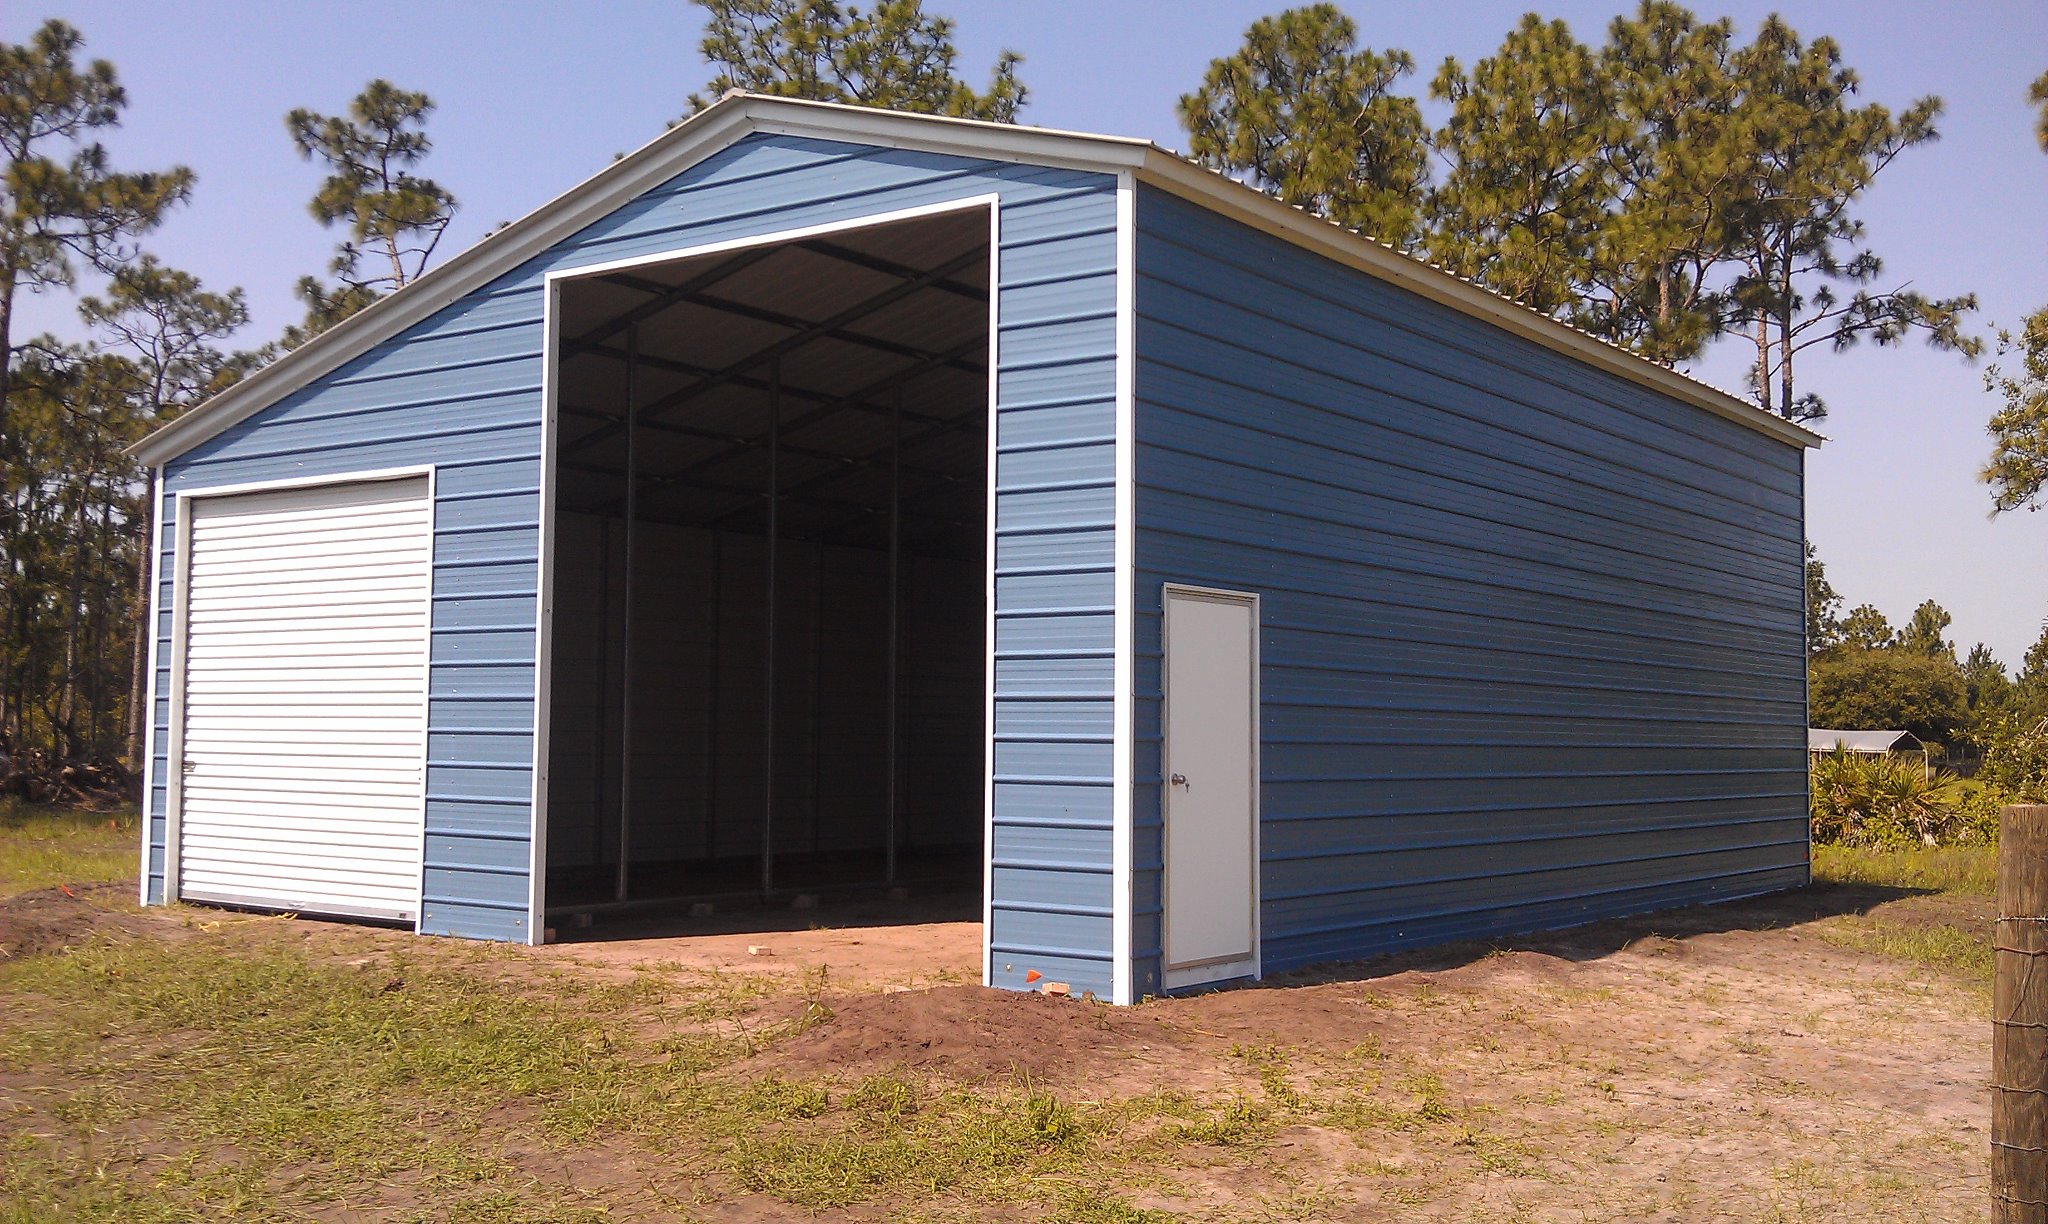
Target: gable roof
(1820, 739)
(739, 115)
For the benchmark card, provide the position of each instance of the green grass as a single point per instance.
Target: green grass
(1946, 946)
(1960, 947)
(1963, 870)
(232, 1072)
(43, 847)
(327, 1078)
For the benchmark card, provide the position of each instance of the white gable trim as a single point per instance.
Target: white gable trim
(741, 115)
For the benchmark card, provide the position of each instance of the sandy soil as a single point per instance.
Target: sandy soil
(1729, 1063)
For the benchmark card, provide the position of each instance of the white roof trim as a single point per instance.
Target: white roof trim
(739, 115)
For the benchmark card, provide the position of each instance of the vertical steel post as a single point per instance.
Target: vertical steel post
(817, 788)
(895, 561)
(600, 775)
(714, 666)
(768, 619)
(626, 614)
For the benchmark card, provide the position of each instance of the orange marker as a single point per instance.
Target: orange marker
(1032, 975)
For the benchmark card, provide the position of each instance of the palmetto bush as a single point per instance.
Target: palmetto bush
(1884, 801)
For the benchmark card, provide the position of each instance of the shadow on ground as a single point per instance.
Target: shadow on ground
(1771, 912)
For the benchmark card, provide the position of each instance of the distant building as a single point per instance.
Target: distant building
(1820, 741)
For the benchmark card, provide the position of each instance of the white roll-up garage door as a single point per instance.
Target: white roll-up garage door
(305, 622)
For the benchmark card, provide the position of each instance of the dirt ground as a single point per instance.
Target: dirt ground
(1725, 1063)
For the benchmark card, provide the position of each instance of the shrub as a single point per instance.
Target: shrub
(1977, 815)
(1883, 801)
(2016, 759)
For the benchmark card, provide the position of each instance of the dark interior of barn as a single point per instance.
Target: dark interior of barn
(770, 559)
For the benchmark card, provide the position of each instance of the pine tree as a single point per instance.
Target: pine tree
(171, 325)
(893, 55)
(1923, 633)
(1810, 155)
(1823, 606)
(170, 328)
(1677, 151)
(60, 202)
(1865, 628)
(2034, 666)
(1985, 682)
(2037, 93)
(1301, 112)
(393, 218)
(2018, 470)
(1530, 133)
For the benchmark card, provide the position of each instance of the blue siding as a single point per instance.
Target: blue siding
(1532, 645)
(461, 390)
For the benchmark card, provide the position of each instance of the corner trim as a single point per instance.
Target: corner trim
(152, 612)
(1123, 764)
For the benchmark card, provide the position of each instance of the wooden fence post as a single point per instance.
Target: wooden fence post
(2019, 1021)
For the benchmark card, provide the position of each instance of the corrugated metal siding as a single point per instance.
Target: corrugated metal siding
(1532, 641)
(462, 390)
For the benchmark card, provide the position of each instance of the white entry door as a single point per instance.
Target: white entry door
(299, 757)
(1212, 792)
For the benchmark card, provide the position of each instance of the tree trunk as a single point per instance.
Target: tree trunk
(9, 534)
(1785, 339)
(1763, 359)
(103, 592)
(6, 368)
(67, 702)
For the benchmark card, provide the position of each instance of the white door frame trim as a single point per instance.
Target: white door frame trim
(1197, 973)
(552, 282)
(174, 780)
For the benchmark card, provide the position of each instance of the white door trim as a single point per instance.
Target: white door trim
(544, 619)
(989, 200)
(550, 393)
(1199, 972)
(174, 801)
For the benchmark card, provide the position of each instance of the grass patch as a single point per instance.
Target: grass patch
(1954, 949)
(1960, 948)
(287, 1081)
(43, 847)
(1964, 870)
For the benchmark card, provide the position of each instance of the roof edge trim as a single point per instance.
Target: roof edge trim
(738, 115)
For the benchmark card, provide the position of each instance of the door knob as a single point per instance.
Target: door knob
(1180, 779)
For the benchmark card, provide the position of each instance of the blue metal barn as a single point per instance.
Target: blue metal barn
(822, 497)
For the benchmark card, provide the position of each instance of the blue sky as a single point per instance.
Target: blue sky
(533, 98)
